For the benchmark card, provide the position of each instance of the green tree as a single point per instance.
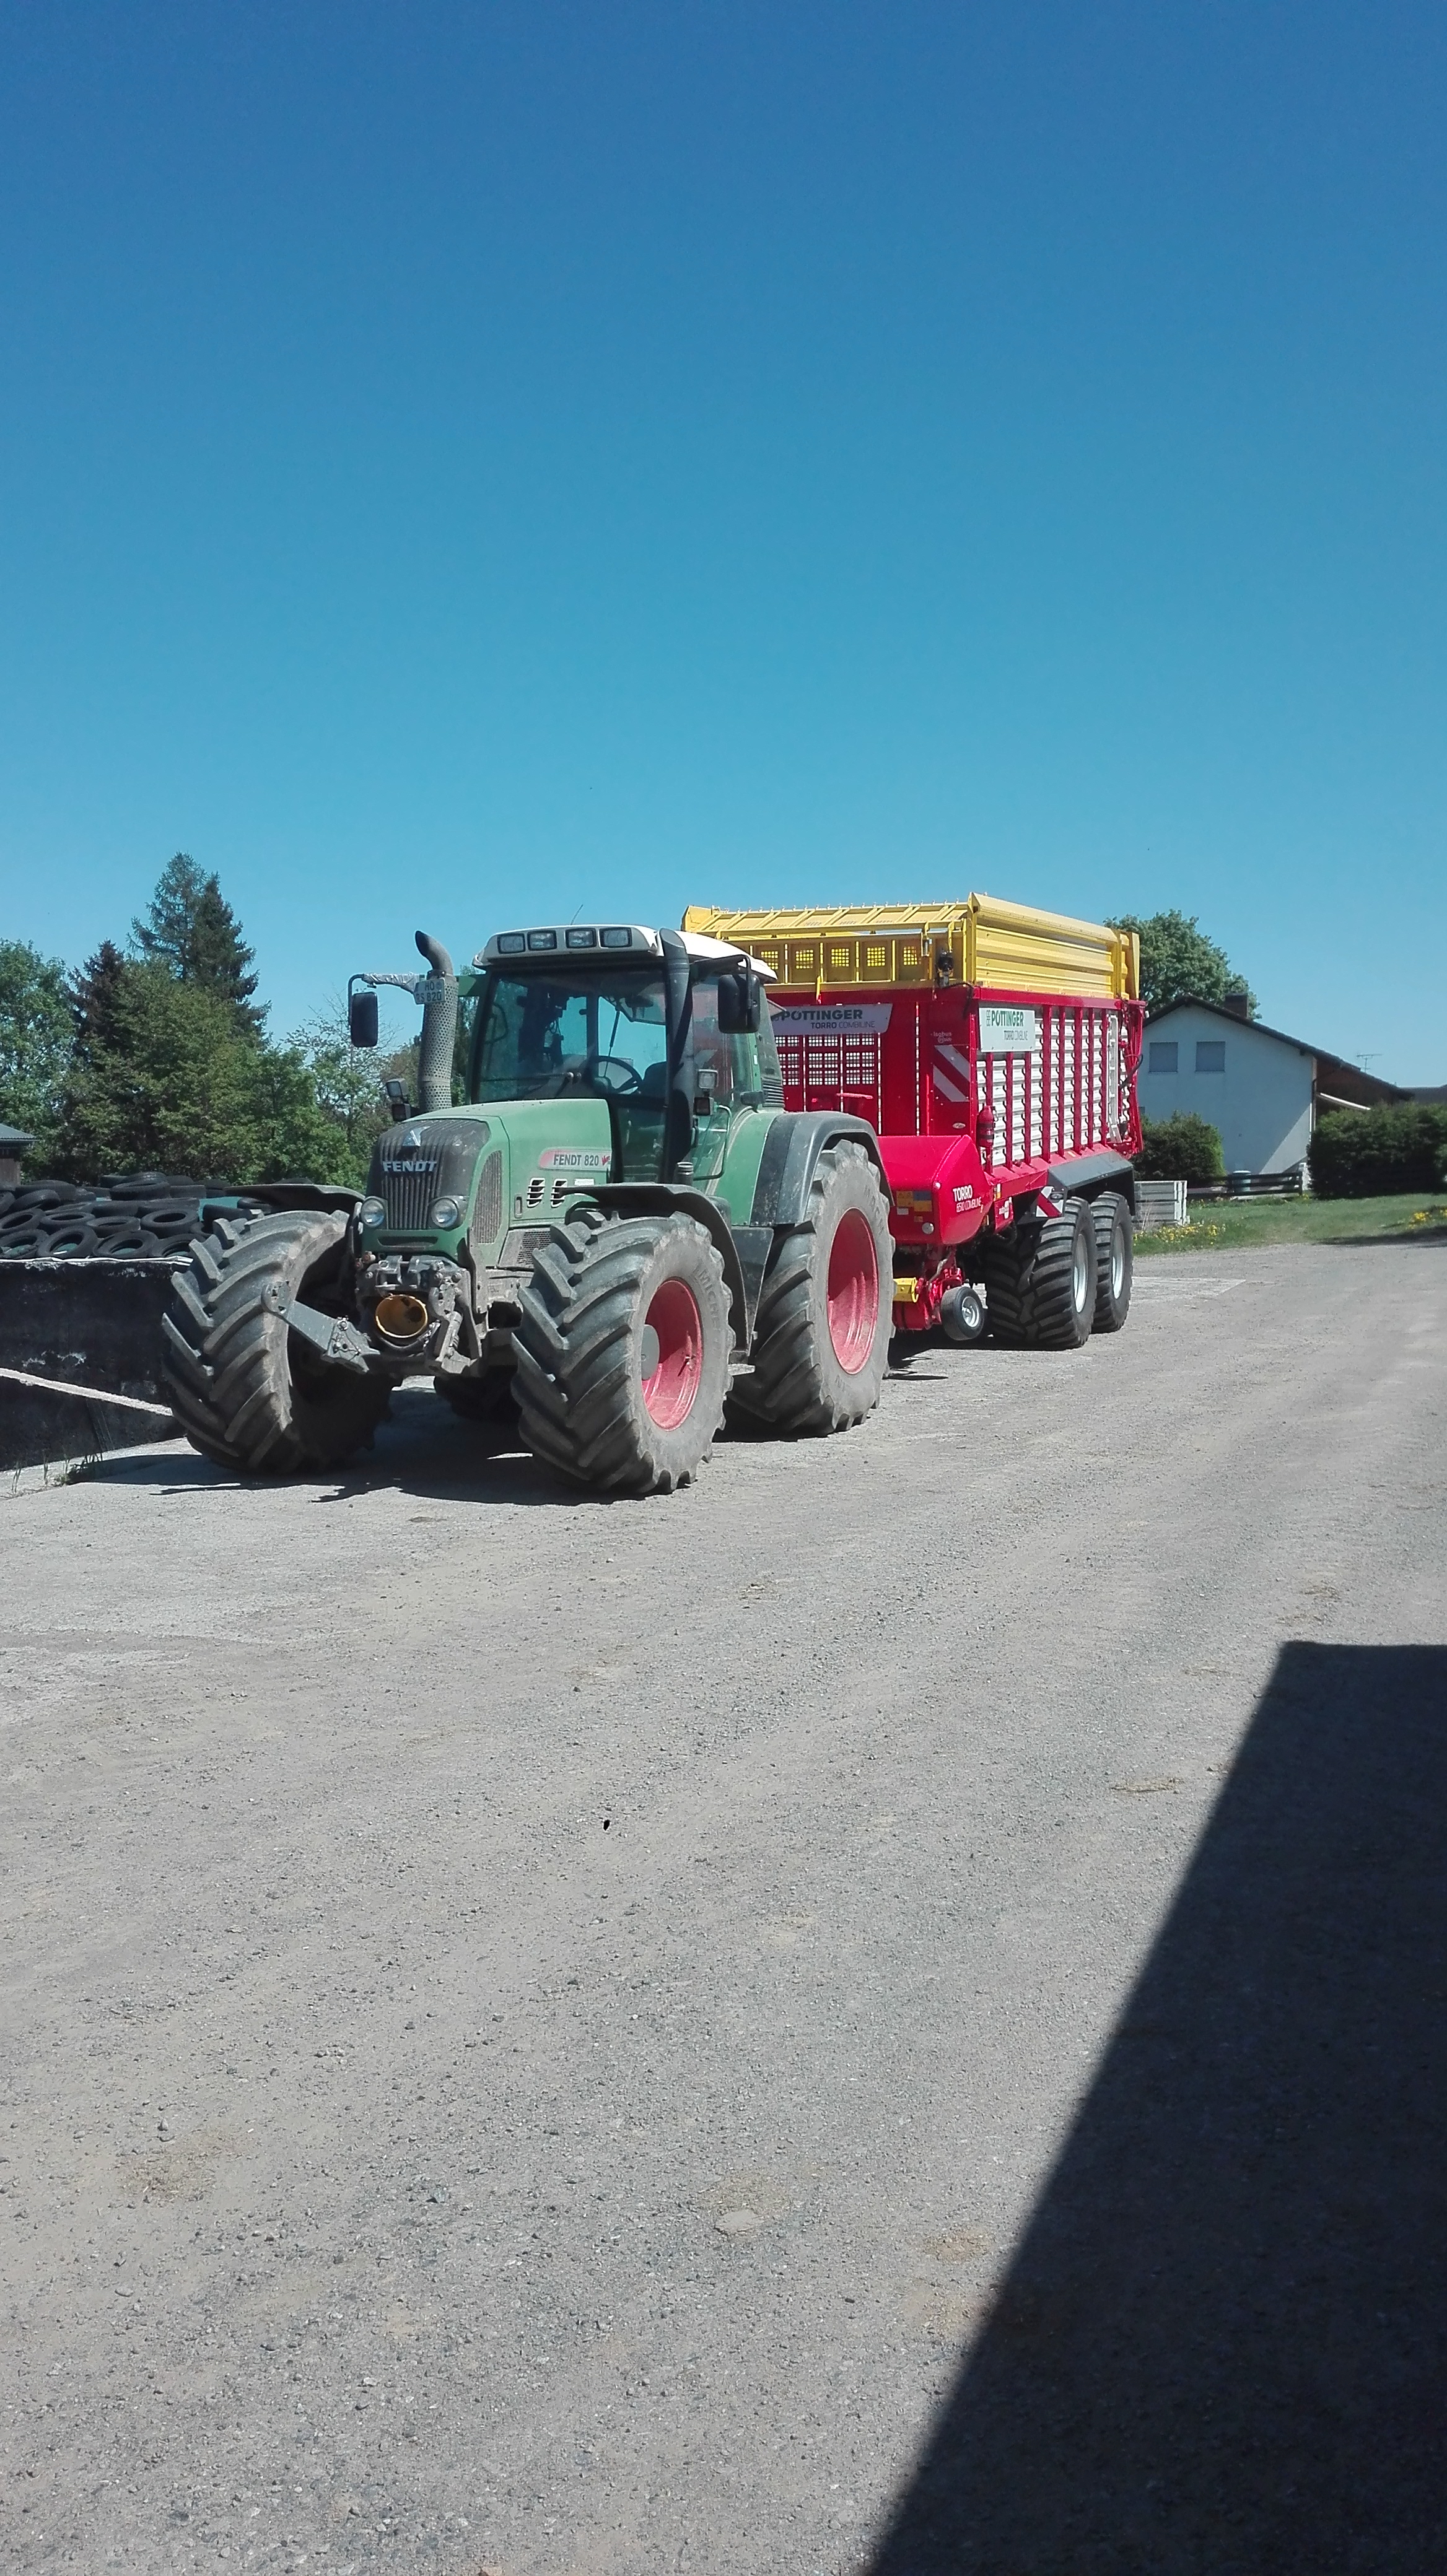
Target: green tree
(36, 1038)
(92, 996)
(174, 1084)
(1368, 1153)
(191, 930)
(1179, 963)
(168, 1085)
(300, 1140)
(347, 1082)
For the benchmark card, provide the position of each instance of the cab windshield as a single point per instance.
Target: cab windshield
(602, 1032)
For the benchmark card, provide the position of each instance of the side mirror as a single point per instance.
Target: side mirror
(362, 1017)
(739, 1004)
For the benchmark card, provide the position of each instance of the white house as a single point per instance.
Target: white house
(1261, 1090)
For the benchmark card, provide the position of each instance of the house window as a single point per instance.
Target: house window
(1210, 1055)
(1164, 1055)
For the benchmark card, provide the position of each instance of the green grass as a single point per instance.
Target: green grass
(1244, 1225)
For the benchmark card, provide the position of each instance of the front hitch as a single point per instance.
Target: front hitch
(415, 1306)
(337, 1339)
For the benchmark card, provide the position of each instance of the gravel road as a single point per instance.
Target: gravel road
(536, 2028)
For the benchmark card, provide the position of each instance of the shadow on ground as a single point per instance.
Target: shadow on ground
(1221, 2346)
(422, 1449)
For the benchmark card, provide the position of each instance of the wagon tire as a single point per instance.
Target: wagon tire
(964, 1319)
(1114, 1258)
(623, 1351)
(821, 1337)
(1040, 1281)
(247, 1392)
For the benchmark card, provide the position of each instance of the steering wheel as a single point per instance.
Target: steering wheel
(628, 1075)
(577, 1068)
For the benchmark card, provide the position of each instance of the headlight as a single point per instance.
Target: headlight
(373, 1212)
(446, 1213)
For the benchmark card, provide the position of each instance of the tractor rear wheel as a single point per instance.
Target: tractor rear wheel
(248, 1392)
(821, 1338)
(623, 1351)
(1114, 1254)
(1040, 1281)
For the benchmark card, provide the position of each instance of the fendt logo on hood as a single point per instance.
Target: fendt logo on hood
(575, 1158)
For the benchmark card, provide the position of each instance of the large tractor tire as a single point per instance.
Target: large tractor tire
(821, 1337)
(623, 1351)
(1040, 1281)
(247, 1392)
(1114, 1260)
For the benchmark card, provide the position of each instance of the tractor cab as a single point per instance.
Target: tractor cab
(668, 1030)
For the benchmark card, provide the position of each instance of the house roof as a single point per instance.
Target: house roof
(1335, 1074)
(13, 1139)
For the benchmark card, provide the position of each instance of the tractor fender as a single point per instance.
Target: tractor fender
(1085, 1175)
(791, 1154)
(288, 1197)
(662, 1198)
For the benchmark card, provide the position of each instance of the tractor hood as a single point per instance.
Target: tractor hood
(499, 1164)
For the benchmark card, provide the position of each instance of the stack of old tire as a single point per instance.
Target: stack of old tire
(145, 1216)
(85, 1275)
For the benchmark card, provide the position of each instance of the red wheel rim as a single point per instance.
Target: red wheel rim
(672, 1356)
(853, 1291)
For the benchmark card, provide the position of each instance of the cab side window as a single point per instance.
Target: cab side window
(745, 1067)
(712, 1051)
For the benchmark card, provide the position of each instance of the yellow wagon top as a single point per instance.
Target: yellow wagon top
(1006, 947)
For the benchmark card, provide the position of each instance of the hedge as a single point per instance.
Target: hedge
(1183, 1148)
(1370, 1153)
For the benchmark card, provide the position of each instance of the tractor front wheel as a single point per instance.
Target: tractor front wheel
(822, 1335)
(623, 1351)
(248, 1392)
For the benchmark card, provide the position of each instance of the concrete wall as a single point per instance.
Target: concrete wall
(97, 1323)
(1261, 1103)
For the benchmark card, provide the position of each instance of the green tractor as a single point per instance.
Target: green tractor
(622, 1232)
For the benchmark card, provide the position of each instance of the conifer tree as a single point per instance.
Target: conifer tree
(191, 930)
(94, 994)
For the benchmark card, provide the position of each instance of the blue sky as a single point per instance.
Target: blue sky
(463, 464)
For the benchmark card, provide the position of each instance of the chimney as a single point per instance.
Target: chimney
(1238, 1004)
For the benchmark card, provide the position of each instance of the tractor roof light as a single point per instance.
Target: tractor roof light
(582, 939)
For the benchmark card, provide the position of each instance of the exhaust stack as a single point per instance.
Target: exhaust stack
(439, 1026)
